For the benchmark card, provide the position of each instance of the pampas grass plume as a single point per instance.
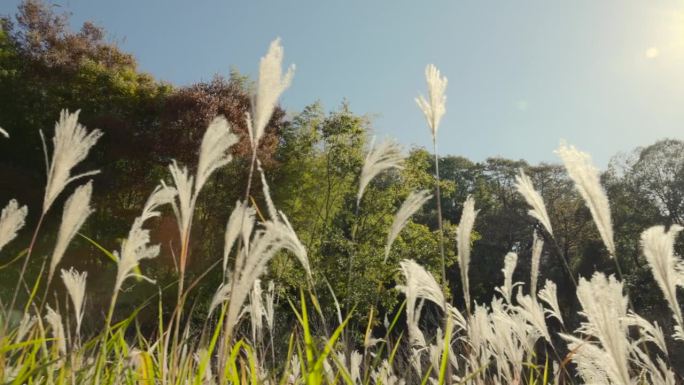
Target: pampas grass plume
(586, 178)
(256, 310)
(668, 270)
(549, 296)
(413, 203)
(221, 295)
(184, 204)
(384, 156)
(25, 325)
(214, 151)
(71, 145)
(12, 219)
(434, 106)
(55, 321)
(269, 311)
(136, 246)
(605, 307)
(272, 212)
(533, 312)
(76, 211)
(275, 236)
(524, 185)
(270, 86)
(537, 248)
(465, 227)
(419, 285)
(75, 284)
(510, 262)
(289, 240)
(240, 222)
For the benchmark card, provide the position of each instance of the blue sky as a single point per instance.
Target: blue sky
(606, 76)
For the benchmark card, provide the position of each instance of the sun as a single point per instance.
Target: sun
(652, 53)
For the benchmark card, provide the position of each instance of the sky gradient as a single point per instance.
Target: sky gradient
(607, 76)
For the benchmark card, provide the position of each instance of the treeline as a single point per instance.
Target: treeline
(312, 162)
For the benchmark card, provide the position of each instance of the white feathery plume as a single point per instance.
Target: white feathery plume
(649, 332)
(201, 356)
(479, 333)
(435, 105)
(537, 248)
(413, 203)
(668, 270)
(12, 219)
(658, 374)
(270, 86)
(272, 212)
(75, 284)
(250, 128)
(71, 145)
(385, 375)
(549, 296)
(221, 295)
(415, 354)
(419, 285)
(76, 211)
(289, 240)
(269, 312)
(4, 133)
(509, 342)
(256, 310)
(666, 376)
(234, 229)
(605, 308)
(457, 317)
(435, 352)
(524, 185)
(532, 312)
(328, 370)
(248, 223)
(27, 321)
(586, 178)
(136, 247)
(214, 151)
(183, 208)
(465, 227)
(337, 304)
(479, 328)
(296, 368)
(355, 366)
(275, 236)
(55, 321)
(510, 262)
(591, 361)
(386, 155)
(369, 341)
(161, 195)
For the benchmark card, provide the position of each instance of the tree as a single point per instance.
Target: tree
(657, 172)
